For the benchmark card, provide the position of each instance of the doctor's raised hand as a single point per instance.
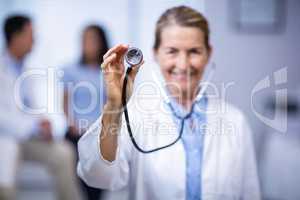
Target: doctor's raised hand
(114, 73)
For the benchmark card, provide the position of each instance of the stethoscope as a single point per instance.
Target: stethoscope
(133, 57)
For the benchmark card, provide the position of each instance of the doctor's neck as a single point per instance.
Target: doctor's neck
(184, 98)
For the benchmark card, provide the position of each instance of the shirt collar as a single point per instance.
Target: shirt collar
(198, 109)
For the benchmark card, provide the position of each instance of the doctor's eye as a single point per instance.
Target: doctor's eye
(171, 51)
(197, 51)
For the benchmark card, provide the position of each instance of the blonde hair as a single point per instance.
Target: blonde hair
(182, 16)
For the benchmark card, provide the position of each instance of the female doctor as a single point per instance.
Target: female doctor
(214, 158)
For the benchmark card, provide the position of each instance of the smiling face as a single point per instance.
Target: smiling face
(182, 56)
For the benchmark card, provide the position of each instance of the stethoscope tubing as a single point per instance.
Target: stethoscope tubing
(182, 119)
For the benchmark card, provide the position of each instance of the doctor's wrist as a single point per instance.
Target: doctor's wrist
(113, 107)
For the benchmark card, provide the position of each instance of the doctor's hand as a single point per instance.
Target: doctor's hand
(114, 73)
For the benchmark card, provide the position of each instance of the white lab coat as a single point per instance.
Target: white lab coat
(11, 115)
(25, 124)
(228, 167)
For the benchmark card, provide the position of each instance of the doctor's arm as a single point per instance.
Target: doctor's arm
(94, 169)
(103, 152)
(114, 72)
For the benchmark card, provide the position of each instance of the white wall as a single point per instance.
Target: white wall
(5, 7)
(58, 26)
(245, 58)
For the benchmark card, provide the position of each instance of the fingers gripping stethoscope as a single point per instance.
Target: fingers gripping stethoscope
(133, 57)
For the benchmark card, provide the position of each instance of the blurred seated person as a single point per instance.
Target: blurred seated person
(84, 94)
(23, 135)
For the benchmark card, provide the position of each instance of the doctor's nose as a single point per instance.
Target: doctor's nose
(182, 62)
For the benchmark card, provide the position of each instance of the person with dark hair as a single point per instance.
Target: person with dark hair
(84, 92)
(18, 35)
(22, 135)
(94, 45)
(186, 144)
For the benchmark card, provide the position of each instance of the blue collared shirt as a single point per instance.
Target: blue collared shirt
(192, 139)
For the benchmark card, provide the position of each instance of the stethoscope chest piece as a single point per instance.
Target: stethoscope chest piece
(133, 56)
